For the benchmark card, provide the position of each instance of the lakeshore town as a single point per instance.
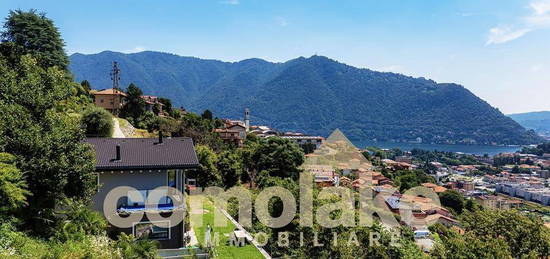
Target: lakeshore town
(504, 181)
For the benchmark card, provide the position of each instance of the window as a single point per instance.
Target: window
(148, 230)
(144, 194)
(101, 100)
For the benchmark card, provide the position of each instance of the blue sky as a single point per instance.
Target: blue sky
(499, 49)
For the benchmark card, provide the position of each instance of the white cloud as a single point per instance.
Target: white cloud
(231, 2)
(540, 7)
(503, 34)
(135, 49)
(539, 18)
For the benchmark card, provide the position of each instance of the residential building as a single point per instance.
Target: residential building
(526, 191)
(324, 175)
(393, 165)
(436, 188)
(467, 186)
(145, 164)
(151, 102)
(404, 159)
(233, 134)
(493, 202)
(110, 99)
(544, 174)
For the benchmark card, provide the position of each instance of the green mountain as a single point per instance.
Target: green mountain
(314, 95)
(538, 121)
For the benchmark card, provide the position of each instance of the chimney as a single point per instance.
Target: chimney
(117, 153)
(160, 137)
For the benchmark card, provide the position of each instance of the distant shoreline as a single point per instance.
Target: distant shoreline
(463, 148)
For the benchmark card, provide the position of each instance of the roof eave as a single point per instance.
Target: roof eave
(153, 167)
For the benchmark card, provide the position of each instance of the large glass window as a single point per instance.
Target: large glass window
(135, 201)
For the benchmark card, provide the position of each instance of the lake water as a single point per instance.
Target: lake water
(467, 149)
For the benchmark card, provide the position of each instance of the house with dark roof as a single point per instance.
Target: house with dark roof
(145, 164)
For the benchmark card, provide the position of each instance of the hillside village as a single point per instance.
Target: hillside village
(117, 173)
(506, 181)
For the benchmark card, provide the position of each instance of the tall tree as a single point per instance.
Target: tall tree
(207, 173)
(33, 33)
(167, 105)
(97, 121)
(135, 105)
(48, 144)
(230, 167)
(86, 86)
(277, 156)
(453, 200)
(207, 114)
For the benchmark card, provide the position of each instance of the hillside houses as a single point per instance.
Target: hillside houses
(111, 99)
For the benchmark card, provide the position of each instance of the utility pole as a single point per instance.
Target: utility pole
(115, 77)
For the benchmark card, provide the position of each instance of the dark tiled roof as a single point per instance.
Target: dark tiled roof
(144, 153)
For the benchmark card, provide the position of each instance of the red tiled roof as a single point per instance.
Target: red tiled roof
(110, 91)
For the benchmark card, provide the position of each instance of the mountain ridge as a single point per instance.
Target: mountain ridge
(538, 121)
(314, 95)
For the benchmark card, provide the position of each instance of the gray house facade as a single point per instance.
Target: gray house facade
(145, 164)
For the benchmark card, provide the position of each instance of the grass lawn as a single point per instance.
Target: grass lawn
(223, 250)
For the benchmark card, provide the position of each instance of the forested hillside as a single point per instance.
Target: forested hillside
(314, 95)
(538, 121)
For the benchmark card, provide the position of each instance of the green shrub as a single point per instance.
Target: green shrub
(131, 248)
(98, 122)
(79, 221)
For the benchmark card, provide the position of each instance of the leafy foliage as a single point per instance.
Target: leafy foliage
(78, 221)
(12, 185)
(407, 179)
(277, 156)
(207, 174)
(47, 180)
(47, 143)
(33, 33)
(200, 130)
(452, 199)
(207, 114)
(16, 244)
(98, 122)
(136, 249)
(523, 234)
(229, 165)
(134, 108)
(493, 234)
(539, 150)
(447, 158)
